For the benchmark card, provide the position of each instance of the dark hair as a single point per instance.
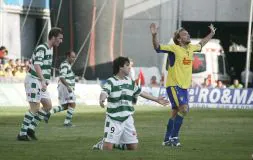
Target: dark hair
(119, 62)
(54, 32)
(176, 35)
(2, 48)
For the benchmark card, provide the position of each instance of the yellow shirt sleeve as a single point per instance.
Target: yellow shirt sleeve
(166, 48)
(196, 47)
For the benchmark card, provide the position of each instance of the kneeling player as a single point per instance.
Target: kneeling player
(119, 90)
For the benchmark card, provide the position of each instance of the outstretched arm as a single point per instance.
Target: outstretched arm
(209, 36)
(159, 100)
(153, 30)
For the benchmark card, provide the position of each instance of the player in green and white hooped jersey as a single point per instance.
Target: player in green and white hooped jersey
(119, 90)
(66, 89)
(36, 82)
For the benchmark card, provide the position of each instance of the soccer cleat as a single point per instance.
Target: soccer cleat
(175, 142)
(22, 138)
(98, 146)
(68, 125)
(46, 118)
(31, 134)
(167, 143)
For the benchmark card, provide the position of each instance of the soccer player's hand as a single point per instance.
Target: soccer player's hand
(162, 101)
(43, 85)
(153, 29)
(101, 103)
(212, 28)
(69, 89)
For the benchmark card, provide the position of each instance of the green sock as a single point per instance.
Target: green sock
(37, 118)
(56, 109)
(26, 122)
(69, 115)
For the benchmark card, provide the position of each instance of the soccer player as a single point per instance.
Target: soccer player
(66, 89)
(36, 82)
(119, 90)
(179, 76)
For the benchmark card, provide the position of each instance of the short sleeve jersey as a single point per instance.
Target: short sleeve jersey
(42, 56)
(67, 73)
(180, 70)
(120, 97)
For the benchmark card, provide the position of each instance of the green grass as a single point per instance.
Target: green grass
(207, 134)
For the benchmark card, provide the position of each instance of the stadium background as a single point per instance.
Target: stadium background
(121, 27)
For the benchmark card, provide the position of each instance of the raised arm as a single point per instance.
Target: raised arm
(209, 36)
(153, 30)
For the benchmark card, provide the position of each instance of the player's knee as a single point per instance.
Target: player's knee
(34, 110)
(47, 109)
(174, 113)
(72, 105)
(132, 146)
(107, 146)
(34, 107)
(183, 112)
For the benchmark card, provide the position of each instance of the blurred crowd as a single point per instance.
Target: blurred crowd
(220, 84)
(236, 82)
(12, 70)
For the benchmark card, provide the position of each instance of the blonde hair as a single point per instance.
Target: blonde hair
(176, 35)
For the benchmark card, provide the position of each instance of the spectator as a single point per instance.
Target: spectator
(2, 72)
(3, 52)
(8, 75)
(153, 82)
(17, 62)
(206, 83)
(220, 84)
(27, 64)
(10, 65)
(20, 73)
(236, 84)
(243, 78)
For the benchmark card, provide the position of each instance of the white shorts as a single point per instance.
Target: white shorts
(64, 96)
(117, 132)
(33, 90)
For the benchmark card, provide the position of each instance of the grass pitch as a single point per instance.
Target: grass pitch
(207, 134)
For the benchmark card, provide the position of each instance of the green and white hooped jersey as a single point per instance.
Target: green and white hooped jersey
(67, 73)
(42, 56)
(120, 97)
